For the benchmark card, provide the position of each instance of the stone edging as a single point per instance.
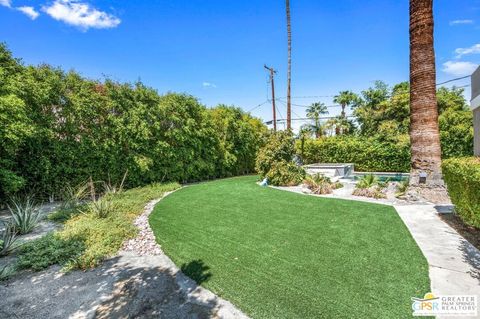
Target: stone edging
(145, 245)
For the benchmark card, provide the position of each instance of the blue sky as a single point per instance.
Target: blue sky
(215, 49)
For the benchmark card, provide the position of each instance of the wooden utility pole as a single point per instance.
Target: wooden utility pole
(289, 71)
(272, 74)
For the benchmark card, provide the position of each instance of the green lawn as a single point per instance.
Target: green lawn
(276, 254)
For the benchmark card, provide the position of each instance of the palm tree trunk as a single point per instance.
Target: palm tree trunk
(424, 131)
(289, 70)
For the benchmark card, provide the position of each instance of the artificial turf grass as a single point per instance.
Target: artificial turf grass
(276, 254)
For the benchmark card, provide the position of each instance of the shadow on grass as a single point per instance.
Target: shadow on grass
(197, 270)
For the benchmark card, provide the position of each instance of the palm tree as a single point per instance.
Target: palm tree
(289, 70)
(340, 125)
(424, 131)
(314, 112)
(345, 98)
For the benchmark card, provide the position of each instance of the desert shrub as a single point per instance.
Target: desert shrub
(462, 176)
(73, 202)
(368, 154)
(285, 174)
(25, 213)
(103, 237)
(7, 238)
(370, 186)
(402, 188)
(49, 250)
(320, 184)
(280, 147)
(367, 181)
(86, 239)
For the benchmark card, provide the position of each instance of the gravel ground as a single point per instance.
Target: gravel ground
(141, 282)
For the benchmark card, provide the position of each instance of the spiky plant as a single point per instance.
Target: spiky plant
(73, 196)
(25, 214)
(8, 238)
(102, 207)
(402, 188)
(6, 272)
(367, 181)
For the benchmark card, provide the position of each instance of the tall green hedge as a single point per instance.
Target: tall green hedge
(61, 128)
(368, 154)
(462, 176)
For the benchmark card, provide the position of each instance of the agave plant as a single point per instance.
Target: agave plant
(102, 207)
(110, 188)
(367, 181)
(402, 188)
(25, 214)
(73, 196)
(8, 238)
(6, 272)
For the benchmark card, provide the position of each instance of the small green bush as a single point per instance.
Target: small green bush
(285, 174)
(280, 147)
(49, 250)
(62, 215)
(462, 176)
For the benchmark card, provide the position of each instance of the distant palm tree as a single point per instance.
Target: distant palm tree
(315, 112)
(289, 70)
(345, 98)
(424, 131)
(340, 125)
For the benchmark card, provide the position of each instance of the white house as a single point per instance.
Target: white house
(476, 109)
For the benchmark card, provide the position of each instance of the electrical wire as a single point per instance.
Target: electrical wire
(453, 80)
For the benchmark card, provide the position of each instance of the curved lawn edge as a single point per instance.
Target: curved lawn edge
(401, 268)
(142, 245)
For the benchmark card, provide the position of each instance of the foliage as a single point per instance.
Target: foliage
(8, 238)
(240, 138)
(462, 176)
(368, 154)
(402, 188)
(87, 239)
(369, 186)
(104, 129)
(456, 132)
(320, 184)
(72, 202)
(367, 181)
(280, 147)
(25, 213)
(314, 113)
(285, 174)
(7, 272)
(49, 250)
(102, 207)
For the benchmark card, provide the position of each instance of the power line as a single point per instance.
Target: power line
(256, 107)
(456, 79)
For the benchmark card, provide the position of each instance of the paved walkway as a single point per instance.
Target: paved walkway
(454, 262)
